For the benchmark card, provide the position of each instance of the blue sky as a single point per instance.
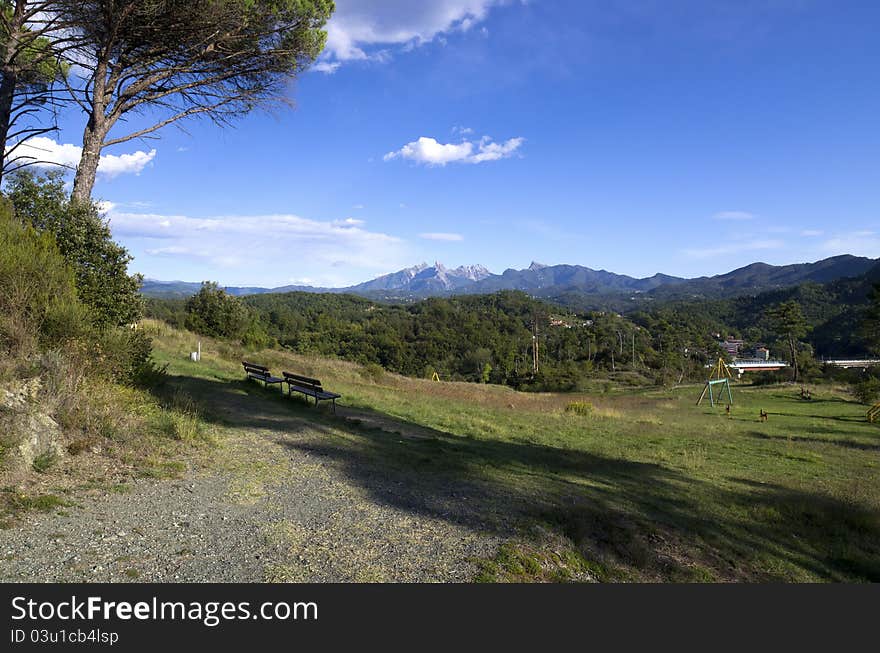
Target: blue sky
(676, 136)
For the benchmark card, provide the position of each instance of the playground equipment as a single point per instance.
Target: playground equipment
(435, 377)
(720, 380)
(874, 413)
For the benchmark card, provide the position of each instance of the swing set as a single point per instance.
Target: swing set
(719, 379)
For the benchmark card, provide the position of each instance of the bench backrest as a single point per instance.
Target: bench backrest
(304, 381)
(253, 368)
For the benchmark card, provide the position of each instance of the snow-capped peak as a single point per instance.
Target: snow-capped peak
(472, 272)
(414, 270)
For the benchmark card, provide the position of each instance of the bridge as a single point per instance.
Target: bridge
(743, 365)
(863, 363)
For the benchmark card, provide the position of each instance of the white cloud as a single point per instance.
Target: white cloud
(137, 204)
(46, 152)
(168, 251)
(734, 215)
(442, 236)
(326, 67)
(857, 243)
(490, 151)
(733, 248)
(333, 253)
(364, 29)
(429, 151)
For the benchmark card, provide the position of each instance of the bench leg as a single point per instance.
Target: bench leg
(334, 405)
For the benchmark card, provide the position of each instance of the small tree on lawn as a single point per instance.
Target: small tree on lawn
(787, 321)
(214, 312)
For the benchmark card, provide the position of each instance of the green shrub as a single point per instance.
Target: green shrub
(584, 408)
(373, 371)
(214, 312)
(83, 238)
(125, 355)
(770, 378)
(43, 462)
(65, 322)
(38, 298)
(255, 337)
(867, 391)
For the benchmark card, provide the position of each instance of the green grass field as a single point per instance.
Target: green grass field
(621, 486)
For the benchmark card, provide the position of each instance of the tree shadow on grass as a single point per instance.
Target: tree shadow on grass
(642, 520)
(839, 442)
(836, 418)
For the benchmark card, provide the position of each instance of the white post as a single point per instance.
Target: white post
(199, 356)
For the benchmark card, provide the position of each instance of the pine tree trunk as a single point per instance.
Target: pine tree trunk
(10, 78)
(7, 92)
(93, 138)
(87, 170)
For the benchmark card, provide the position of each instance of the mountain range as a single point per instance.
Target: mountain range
(554, 281)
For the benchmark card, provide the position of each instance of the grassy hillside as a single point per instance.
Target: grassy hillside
(620, 485)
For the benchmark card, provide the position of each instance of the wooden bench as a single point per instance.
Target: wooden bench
(260, 373)
(310, 387)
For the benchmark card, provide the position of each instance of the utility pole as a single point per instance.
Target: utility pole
(535, 345)
(634, 349)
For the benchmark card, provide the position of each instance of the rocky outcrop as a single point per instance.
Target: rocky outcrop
(26, 433)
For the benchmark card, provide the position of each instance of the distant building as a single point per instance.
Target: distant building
(732, 347)
(762, 353)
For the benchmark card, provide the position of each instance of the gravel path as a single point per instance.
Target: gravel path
(272, 507)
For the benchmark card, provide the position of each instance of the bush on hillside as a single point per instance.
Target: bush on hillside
(867, 391)
(38, 298)
(583, 408)
(83, 237)
(374, 372)
(40, 311)
(125, 356)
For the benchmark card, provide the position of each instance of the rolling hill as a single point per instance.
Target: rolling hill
(577, 283)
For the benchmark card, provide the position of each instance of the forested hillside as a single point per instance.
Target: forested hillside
(834, 312)
(489, 338)
(486, 338)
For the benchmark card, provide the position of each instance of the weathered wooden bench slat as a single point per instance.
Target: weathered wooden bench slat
(310, 387)
(260, 373)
